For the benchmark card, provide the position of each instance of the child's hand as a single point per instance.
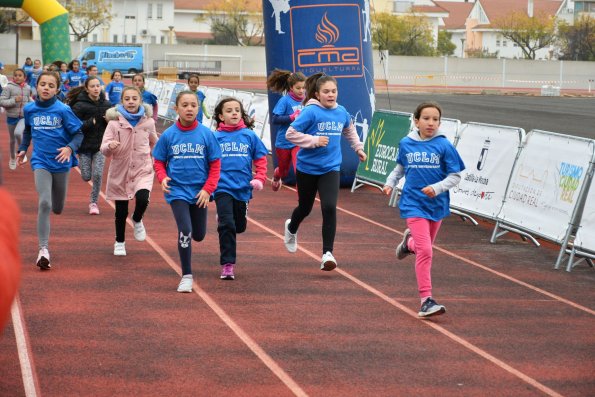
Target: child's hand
(429, 191)
(294, 115)
(387, 190)
(203, 198)
(322, 141)
(165, 184)
(64, 154)
(18, 98)
(21, 157)
(362, 155)
(256, 184)
(113, 144)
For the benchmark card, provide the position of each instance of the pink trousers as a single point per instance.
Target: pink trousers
(423, 234)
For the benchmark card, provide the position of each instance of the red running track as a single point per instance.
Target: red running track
(99, 325)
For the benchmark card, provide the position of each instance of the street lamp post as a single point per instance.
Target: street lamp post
(462, 47)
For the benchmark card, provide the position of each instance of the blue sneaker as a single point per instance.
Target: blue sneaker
(431, 308)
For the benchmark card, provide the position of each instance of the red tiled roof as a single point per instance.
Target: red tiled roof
(426, 9)
(191, 4)
(496, 9)
(457, 14)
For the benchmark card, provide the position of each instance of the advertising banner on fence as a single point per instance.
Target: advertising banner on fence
(450, 128)
(546, 183)
(381, 145)
(489, 152)
(585, 236)
(259, 110)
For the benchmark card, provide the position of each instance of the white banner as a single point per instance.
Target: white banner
(546, 182)
(450, 128)
(164, 100)
(259, 111)
(489, 152)
(211, 98)
(585, 236)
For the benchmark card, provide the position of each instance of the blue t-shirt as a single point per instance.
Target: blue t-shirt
(318, 121)
(52, 127)
(114, 91)
(75, 79)
(201, 97)
(238, 150)
(149, 98)
(63, 82)
(425, 163)
(286, 106)
(32, 77)
(187, 155)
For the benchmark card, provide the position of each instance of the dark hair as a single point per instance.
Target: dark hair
(52, 74)
(19, 70)
(139, 74)
(114, 72)
(71, 97)
(424, 105)
(58, 63)
(194, 75)
(313, 84)
(71, 63)
(281, 81)
(186, 92)
(219, 109)
(91, 67)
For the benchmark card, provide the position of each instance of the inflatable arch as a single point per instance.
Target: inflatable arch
(53, 24)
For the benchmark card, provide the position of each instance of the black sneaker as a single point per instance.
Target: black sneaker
(402, 250)
(431, 308)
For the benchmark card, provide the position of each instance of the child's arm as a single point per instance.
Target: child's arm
(26, 141)
(305, 140)
(6, 100)
(393, 179)
(204, 110)
(281, 119)
(109, 142)
(446, 184)
(261, 173)
(350, 133)
(213, 179)
(160, 168)
(155, 111)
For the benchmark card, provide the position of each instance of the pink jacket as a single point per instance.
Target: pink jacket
(131, 166)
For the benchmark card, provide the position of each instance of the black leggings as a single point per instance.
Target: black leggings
(327, 186)
(192, 225)
(142, 202)
(232, 221)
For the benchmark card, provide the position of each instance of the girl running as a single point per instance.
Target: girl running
(139, 82)
(193, 83)
(115, 87)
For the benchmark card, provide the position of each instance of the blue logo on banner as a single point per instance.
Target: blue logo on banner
(329, 41)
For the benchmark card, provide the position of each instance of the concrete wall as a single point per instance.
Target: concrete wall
(398, 70)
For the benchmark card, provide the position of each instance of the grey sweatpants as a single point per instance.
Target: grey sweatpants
(14, 140)
(51, 189)
(91, 166)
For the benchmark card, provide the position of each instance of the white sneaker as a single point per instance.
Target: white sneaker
(185, 283)
(328, 262)
(25, 159)
(12, 164)
(290, 238)
(139, 231)
(120, 249)
(43, 259)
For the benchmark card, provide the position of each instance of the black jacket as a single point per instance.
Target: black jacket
(88, 110)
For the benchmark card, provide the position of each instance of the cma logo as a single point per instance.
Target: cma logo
(116, 55)
(341, 61)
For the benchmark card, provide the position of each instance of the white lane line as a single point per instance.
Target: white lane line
(473, 263)
(463, 342)
(244, 337)
(23, 348)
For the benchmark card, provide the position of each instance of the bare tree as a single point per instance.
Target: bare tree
(86, 15)
(529, 33)
(236, 22)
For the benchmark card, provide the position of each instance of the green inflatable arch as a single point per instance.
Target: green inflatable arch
(53, 24)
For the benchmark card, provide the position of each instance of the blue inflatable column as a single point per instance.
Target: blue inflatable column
(333, 37)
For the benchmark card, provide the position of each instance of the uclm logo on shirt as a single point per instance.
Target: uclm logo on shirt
(327, 39)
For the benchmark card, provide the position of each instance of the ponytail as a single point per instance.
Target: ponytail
(313, 84)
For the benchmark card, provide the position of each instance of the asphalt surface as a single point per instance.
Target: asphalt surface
(564, 115)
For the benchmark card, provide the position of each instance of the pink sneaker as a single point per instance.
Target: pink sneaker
(93, 209)
(276, 183)
(227, 272)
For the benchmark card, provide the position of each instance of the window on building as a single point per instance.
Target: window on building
(159, 11)
(133, 38)
(153, 39)
(94, 36)
(497, 43)
(163, 40)
(150, 10)
(504, 43)
(115, 38)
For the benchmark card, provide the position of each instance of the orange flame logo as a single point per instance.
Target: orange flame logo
(327, 33)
